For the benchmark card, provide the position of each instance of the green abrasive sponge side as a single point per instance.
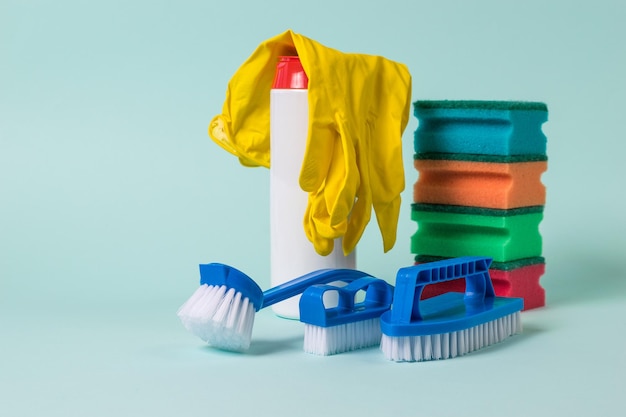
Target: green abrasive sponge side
(502, 159)
(500, 266)
(480, 105)
(475, 211)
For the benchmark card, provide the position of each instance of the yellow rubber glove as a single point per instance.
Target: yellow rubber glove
(358, 109)
(372, 113)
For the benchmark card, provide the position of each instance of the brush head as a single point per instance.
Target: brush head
(221, 311)
(450, 324)
(220, 316)
(450, 344)
(352, 324)
(325, 341)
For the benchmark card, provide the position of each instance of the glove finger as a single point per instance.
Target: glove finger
(319, 216)
(317, 157)
(387, 217)
(359, 218)
(343, 178)
(322, 244)
(362, 210)
(386, 168)
(386, 180)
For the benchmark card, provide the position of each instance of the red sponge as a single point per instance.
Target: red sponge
(519, 282)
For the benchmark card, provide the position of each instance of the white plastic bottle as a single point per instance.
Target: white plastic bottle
(292, 254)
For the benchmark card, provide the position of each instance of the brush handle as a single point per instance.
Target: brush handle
(410, 282)
(297, 286)
(378, 297)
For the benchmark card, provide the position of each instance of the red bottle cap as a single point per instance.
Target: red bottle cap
(290, 74)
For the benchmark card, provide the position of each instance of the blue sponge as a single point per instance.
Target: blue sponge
(480, 127)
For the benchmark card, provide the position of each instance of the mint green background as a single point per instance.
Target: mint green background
(111, 194)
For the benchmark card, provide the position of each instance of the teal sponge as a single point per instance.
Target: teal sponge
(480, 127)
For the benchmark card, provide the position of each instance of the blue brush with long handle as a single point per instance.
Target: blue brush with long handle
(450, 324)
(221, 311)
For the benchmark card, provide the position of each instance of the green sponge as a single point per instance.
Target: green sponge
(452, 231)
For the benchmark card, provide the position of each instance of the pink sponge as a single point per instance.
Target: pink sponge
(520, 282)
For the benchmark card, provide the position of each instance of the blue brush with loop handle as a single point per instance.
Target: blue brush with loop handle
(351, 324)
(221, 311)
(450, 324)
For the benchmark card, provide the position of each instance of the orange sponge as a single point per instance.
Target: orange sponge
(480, 184)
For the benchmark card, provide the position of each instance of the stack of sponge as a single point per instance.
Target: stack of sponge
(479, 191)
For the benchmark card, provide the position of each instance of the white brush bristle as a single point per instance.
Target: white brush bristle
(220, 316)
(450, 345)
(342, 338)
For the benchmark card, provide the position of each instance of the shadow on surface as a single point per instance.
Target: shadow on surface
(261, 347)
(265, 347)
(528, 333)
(575, 277)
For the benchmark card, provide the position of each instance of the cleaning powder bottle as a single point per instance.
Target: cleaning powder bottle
(292, 254)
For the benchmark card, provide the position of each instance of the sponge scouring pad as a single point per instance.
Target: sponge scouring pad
(480, 127)
(501, 159)
(452, 231)
(480, 184)
(510, 279)
(500, 266)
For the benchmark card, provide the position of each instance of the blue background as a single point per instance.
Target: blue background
(111, 194)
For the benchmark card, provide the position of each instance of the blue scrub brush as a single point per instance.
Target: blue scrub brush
(352, 324)
(221, 311)
(450, 324)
